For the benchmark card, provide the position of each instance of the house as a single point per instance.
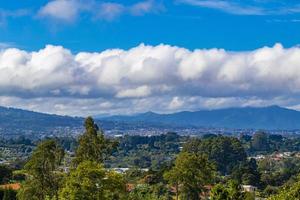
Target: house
(249, 188)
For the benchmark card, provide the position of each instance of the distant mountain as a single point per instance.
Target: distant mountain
(15, 122)
(18, 122)
(273, 117)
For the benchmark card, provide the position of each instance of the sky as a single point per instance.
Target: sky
(92, 57)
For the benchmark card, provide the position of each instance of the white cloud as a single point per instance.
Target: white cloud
(252, 7)
(142, 91)
(110, 11)
(145, 7)
(69, 10)
(66, 10)
(160, 78)
(226, 6)
(176, 103)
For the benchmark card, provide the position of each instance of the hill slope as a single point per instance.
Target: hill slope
(272, 117)
(16, 122)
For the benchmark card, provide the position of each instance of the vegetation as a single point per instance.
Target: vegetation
(229, 191)
(190, 174)
(162, 167)
(92, 144)
(226, 152)
(89, 180)
(146, 152)
(43, 180)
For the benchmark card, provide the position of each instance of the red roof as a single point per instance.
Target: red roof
(13, 186)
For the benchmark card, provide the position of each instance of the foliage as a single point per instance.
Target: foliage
(92, 144)
(190, 174)
(150, 192)
(247, 173)
(9, 194)
(43, 180)
(226, 152)
(90, 181)
(5, 174)
(260, 142)
(146, 152)
(288, 193)
(219, 192)
(230, 191)
(276, 173)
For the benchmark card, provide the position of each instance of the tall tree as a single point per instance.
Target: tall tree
(43, 179)
(190, 174)
(92, 144)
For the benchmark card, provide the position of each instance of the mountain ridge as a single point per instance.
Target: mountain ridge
(271, 117)
(15, 122)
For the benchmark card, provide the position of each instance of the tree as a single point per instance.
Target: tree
(190, 174)
(288, 193)
(230, 191)
(10, 194)
(149, 192)
(92, 144)
(5, 174)
(43, 179)
(90, 181)
(260, 142)
(247, 173)
(219, 192)
(226, 152)
(235, 191)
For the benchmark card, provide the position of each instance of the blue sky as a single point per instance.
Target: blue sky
(232, 25)
(90, 57)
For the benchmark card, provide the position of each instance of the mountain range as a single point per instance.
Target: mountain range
(272, 117)
(17, 122)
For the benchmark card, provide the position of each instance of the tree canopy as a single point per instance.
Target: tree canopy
(90, 181)
(226, 152)
(93, 146)
(43, 179)
(190, 174)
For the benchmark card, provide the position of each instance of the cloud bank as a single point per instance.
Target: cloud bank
(161, 78)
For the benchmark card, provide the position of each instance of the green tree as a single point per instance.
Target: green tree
(260, 142)
(226, 152)
(90, 181)
(149, 192)
(288, 193)
(43, 179)
(219, 192)
(247, 173)
(190, 174)
(235, 191)
(10, 194)
(230, 191)
(5, 174)
(92, 144)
